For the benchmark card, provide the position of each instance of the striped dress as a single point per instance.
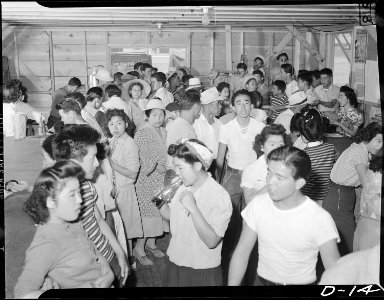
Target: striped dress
(322, 157)
(88, 219)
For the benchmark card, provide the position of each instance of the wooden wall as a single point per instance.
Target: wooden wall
(48, 59)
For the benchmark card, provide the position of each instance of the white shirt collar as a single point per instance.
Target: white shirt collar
(313, 144)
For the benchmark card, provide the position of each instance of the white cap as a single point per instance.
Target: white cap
(155, 103)
(210, 95)
(103, 74)
(193, 83)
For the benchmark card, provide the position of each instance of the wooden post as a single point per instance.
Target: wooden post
(108, 52)
(330, 50)
(51, 63)
(296, 56)
(241, 43)
(228, 47)
(190, 51)
(86, 60)
(17, 67)
(308, 37)
(212, 49)
(270, 49)
(322, 49)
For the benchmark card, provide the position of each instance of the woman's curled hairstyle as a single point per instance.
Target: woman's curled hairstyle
(273, 129)
(50, 181)
(182, 151)
(367, 133)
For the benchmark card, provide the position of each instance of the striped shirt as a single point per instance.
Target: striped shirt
(277, 101)
(89, 222)
(322, 156)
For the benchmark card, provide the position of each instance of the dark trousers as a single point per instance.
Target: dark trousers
(231, 182)
(340, 203)
(260, 281)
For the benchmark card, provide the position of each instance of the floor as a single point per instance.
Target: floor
(23, 161)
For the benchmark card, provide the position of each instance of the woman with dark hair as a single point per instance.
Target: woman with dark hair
(199, 214)
(135, 92)
(322, 155)
(180, 72)
(60, 248)
(13, 97)
(150, 140)
(254, 177)
(349, 118)
(348, 173)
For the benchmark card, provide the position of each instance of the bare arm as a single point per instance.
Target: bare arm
(329, 253)
(220, 159)
(106, 230)
(241, 254)
(362, 172)
(330, 104)
(165, 212)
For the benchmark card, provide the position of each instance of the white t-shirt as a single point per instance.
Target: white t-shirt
(116, 103)
(185, 247)
(299, 143)
(179, 128)
(207, 133)
(291, 88)
(289, 240)
(255, 175)
(284, 119)
(240, 152)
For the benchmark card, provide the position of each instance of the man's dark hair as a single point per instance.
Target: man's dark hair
(117, 75)
(72, 142)
(145, 66)
(93, 93)
(134, 73)
(112, 90)
(160, 77)
(47, 145)
(185, 79)
(287, 68)
(273, 129)
(326, 71)
(242, 66)
(259, 58)
(74, 81)
(137, 65)
(258, 72)
(316, 73)
(282, 54)
(188, 99)
(241, 92)
(281, 85)
(367, 133)
(295, 159)
(306, 77)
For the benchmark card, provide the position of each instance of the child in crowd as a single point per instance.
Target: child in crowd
(199, 214)
(322, 155)
(60, 248)
(281, 59)
(349, 172)
(135, 91)
(125, 164)
(279, 98)
(253, 179)
(304, 81)
(295, 135)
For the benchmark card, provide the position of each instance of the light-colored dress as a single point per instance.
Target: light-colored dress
(152, 151)
(125, 153)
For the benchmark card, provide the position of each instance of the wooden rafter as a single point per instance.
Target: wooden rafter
(228, 47)
(286, 39)
(306, 45)
(371, 31)
(346, 41)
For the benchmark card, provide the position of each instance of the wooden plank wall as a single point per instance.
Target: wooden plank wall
(70, 47)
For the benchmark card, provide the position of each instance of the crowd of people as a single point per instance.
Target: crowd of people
(263, 199)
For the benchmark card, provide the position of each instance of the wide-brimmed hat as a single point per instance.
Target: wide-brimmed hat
(194, 83)
(155, 103)
(147, 88)
(210, 95)
(103, 74)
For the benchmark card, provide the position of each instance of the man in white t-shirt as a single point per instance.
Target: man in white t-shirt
(327, 92)
(207, 126)
(182, 127)
(237, 136)
(287, 74)
(291, 229)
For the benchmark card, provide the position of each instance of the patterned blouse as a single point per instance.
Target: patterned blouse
(351, 118)
(371, 196)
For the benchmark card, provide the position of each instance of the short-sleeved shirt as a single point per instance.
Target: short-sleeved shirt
(240, 145)
(207, 133)
(179, 128)
(255, 175)
(344, 170)
(289, 240)
(291, 88)
(186, 247)
(126, 154)
(256, 113)
(370, 204)
(327, 95)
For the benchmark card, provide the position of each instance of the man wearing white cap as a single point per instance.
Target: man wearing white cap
(207, 127)
(194, 84)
